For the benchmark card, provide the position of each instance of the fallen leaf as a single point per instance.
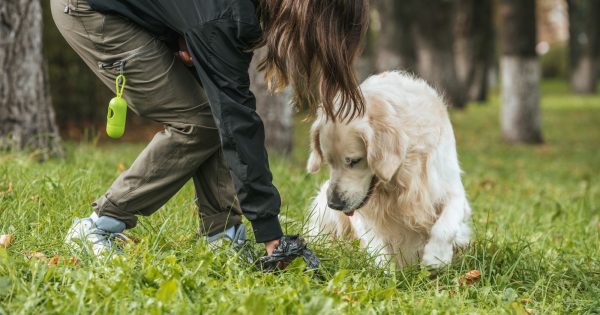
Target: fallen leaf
(471, 277)
(54, 261)
(36, 255)
(487, 184)
(73, 261)
(134, 239)
(347, 298)
(545, 150)
(529, 310)
(121, 167)
(6, 240)
(35, 197)
(10, 187)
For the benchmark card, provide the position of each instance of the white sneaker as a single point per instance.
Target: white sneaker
(235, 235)
(234, 239)
(97, 237)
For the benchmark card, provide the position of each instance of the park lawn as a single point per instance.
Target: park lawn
(536, 237)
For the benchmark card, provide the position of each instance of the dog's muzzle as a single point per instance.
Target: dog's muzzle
(363, 203)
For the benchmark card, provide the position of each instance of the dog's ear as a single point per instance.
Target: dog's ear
(316, 155)
(386, 143)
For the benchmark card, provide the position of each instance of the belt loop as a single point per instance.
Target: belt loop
(67, 7)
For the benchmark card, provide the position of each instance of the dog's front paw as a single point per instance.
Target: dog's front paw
(437, 255)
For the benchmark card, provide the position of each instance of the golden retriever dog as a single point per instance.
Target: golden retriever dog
(395, 181)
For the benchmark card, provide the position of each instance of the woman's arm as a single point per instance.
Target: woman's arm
(220, 53)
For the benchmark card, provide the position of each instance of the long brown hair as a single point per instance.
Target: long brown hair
(312, 45)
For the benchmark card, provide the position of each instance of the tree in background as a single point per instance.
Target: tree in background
(520, 68)
(450, 43)
(26, 114)
(395, 43)
(474, 46)
(366, 65)
(584, 45)
(433, 22)
(274, 109)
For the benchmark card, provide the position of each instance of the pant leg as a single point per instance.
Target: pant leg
(220, 35)
(158, 173)
(160, 88)
(214, 193)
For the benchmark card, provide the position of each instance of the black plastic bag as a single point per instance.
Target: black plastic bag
(290, 247)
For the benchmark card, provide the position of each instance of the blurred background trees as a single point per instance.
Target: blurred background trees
(395, 45)
(26, 114)
(274, 109)
(584, 45)
(433, 40)
(474, 46)
(521, 72)
(462, 47)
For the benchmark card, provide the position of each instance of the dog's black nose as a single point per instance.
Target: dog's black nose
(334, 200)
(335, 205)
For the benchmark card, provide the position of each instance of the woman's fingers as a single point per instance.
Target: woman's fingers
(184, 53)
(185, 57)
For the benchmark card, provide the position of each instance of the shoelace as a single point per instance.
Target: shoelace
(108, 237)
(236, 246)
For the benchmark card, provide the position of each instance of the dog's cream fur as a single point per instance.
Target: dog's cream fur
(418, 210)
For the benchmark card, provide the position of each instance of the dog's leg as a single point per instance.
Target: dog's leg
(463, 237)
(383, 259)
(450, 229)
(375, 246)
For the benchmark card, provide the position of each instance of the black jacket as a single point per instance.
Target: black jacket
(220, 35)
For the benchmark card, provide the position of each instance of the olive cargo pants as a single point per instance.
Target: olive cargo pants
(163, 89)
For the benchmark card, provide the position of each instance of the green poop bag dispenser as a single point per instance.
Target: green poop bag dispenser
(117, 111)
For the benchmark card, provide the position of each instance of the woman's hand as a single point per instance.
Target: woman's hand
(271, 245)
(184, 53)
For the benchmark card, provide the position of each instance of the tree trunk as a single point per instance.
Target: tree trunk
(474, 46)
(395, 47)
(26, 116)
(434, 42)
(584, 45)
(521, 72)
(274, 109)
(365, 65)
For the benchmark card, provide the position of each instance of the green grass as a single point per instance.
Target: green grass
(536, 235)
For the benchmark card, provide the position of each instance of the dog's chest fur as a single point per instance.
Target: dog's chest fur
(390, 233)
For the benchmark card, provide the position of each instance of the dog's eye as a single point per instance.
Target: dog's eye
(352, 162)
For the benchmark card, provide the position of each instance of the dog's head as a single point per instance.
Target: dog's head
(360, 154)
